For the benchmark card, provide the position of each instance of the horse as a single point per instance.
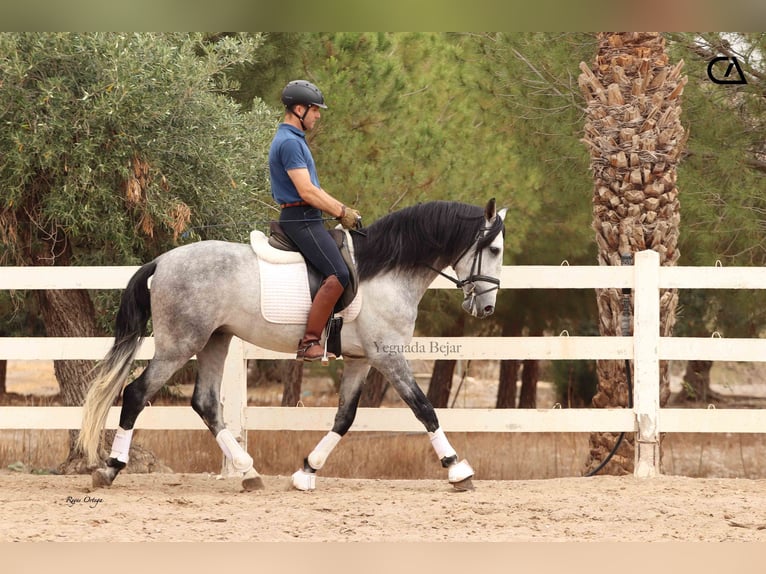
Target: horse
(203, 294)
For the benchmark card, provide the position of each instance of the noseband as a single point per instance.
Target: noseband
(475, 275)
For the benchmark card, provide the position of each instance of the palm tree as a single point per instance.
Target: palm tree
(635, 138)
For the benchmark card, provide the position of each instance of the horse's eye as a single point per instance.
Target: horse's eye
(494, 250)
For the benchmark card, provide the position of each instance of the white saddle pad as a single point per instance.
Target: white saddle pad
(285, 295)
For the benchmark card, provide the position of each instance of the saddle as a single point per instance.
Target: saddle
(278, 239)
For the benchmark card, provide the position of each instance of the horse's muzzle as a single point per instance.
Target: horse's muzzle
(485, 312)
(469, 306)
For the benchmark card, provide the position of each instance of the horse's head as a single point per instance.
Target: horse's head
(479, 268)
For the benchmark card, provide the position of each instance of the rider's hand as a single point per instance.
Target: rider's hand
(349, 218)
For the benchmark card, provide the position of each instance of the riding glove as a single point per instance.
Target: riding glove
(349, 218)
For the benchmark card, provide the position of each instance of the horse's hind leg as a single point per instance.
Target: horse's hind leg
(134, 398)
(396, 369)
(206, 402)
(354, 372)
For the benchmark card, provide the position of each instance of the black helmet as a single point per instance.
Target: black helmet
(304, 93)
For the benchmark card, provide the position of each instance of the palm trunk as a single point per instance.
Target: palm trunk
(635, 138)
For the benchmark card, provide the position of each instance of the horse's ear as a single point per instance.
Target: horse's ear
(501, 213)
(490, 211)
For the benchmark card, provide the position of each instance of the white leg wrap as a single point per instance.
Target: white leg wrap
(321, 451)
(233, 451)
(304, 480)
(441, 444)
(459, 471)
(121, 444)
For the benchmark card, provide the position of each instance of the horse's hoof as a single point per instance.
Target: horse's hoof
(101, 478)
(464, 485)
(303, 480)
(252, 481)
(459, 472)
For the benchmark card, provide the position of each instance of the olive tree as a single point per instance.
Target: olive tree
(113, 148)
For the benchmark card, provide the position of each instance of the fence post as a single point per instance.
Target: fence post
(646, 343)
(234, 398)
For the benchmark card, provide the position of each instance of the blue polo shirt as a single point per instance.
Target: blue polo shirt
(289, 150)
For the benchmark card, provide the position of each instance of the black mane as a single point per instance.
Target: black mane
(428, 234)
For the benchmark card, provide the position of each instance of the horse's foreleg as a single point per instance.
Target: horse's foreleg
(206, 402)
(350, 391)
(398, 372)
(134, 398)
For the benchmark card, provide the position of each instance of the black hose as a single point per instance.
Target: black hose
(625, 259)
(622, 434)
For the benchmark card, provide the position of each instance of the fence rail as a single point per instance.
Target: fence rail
(645, 348)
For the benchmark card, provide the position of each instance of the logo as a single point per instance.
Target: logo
(729, 78)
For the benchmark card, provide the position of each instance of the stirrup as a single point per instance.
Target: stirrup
(325, 357)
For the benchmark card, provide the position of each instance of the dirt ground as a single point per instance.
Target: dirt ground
(203, 508)
(177, 507)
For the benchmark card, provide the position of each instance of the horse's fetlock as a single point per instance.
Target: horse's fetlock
(448, 461)
(307, 467)
(115, 464)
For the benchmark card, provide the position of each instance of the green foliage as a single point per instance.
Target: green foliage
(529, 81)
(721, 181)
(412, 117)
(122, 142)
(576, 382)
(532, 80)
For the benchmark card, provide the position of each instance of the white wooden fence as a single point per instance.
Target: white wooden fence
(646, 348)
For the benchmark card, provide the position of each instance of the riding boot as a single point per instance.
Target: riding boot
(309, 348)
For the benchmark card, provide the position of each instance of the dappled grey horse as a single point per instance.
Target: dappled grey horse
(203, 294)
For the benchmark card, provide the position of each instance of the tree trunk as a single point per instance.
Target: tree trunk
(635, 138)
(530, 374)
(697, 381)
(374, 390)
(292, 383)
(3, 373)
(509, 372)
(440, 387)
(506, 389)
(70, 313)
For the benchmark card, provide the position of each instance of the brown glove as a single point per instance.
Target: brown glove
(349, 218)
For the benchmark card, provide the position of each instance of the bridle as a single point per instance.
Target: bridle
(471, 293)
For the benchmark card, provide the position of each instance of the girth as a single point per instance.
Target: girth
(279, 240)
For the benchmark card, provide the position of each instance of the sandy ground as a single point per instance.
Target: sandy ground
(194, 508)
(202, 508)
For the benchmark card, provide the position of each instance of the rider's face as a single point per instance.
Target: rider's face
(312, 116)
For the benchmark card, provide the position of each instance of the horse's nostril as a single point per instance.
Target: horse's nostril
(489, 309)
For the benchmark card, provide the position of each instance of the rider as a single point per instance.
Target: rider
(295, 187)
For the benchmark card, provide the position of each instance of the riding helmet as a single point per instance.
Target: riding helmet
(304, 93)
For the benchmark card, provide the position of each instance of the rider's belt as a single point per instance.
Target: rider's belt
(295, 204)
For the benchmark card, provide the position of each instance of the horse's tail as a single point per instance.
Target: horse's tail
(110, 374)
